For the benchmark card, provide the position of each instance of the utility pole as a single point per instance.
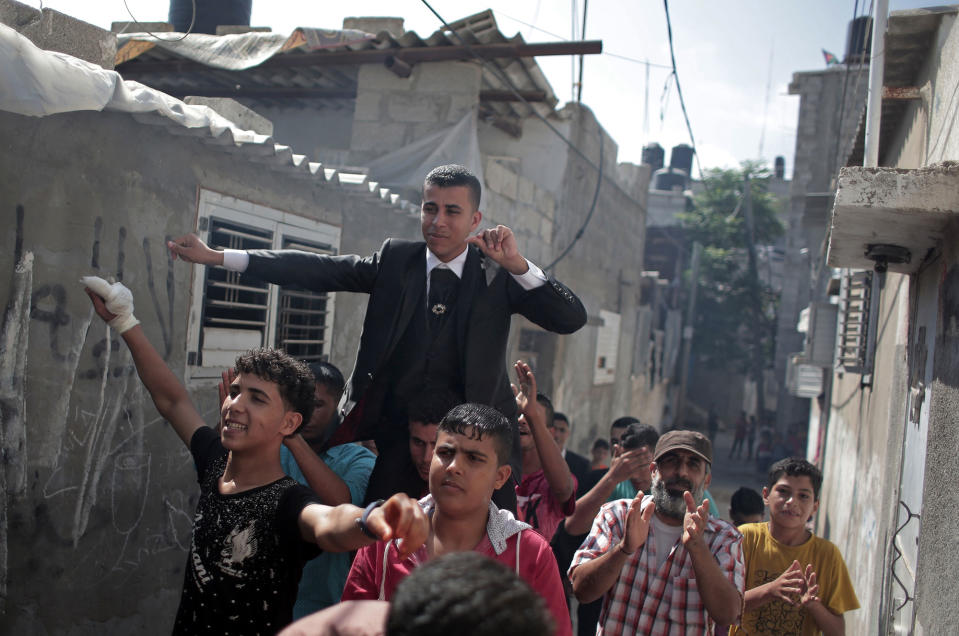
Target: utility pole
(759, 365)
(680, 419)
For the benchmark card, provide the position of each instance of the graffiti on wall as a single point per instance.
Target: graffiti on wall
(89, 439)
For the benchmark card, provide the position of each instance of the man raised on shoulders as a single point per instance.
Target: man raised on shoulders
(438, 315)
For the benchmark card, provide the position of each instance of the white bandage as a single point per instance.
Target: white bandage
(118, 300)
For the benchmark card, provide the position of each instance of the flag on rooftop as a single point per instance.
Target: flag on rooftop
(831, 59)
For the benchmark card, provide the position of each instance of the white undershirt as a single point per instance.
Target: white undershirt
(665, 537)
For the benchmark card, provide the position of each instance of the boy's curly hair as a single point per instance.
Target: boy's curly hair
(293, 379)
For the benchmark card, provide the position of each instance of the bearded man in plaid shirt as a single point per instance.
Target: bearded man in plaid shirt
(662, 565)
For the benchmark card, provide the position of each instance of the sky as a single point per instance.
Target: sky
(734, 59)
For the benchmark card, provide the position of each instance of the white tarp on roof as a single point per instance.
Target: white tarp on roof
(38, 83)
(240, 51)
(407, 166)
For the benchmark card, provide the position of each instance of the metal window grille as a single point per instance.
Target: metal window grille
(858, 300)
(301, 325)
(230, 299)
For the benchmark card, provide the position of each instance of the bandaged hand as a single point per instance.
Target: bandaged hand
(117, 299)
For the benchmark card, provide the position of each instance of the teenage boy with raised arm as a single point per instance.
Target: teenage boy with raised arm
(254, 526)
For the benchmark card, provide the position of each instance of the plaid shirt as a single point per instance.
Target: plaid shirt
(663, 601)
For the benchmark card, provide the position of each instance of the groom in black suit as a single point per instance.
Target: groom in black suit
(439, 311)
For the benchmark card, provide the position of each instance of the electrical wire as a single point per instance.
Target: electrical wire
(183, 37)
(508, 82)
(682, 102)
(560, 37)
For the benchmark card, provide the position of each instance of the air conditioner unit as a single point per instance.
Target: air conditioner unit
(803, 379)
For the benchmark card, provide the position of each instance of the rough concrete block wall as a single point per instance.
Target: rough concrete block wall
(604, 266)
(392, 112)
(100, 494)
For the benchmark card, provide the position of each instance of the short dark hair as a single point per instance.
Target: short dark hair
(796, 467)
(559, 415)
(477, 421)
(293, 378)
(623, 422)
(431, 406)
(329, 376)
(638, 435)
(601, 443)
(746, 502)
(453, 175)
(468, 594)
(547, 403)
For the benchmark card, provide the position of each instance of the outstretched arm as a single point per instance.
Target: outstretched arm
(587, 506)
(336, 530)
(554, 466)
(168, 393)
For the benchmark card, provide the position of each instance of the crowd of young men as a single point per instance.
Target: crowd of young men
(465, 463)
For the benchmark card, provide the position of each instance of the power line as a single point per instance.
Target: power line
(560, 37)
(503, 77)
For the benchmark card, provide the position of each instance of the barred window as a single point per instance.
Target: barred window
(234, 312)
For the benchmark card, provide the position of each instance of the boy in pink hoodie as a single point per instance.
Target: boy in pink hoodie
(473, 447)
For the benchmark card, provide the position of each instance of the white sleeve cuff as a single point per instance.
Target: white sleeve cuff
(236, 260)
(533, 278)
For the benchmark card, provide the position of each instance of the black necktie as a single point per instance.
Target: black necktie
(442, 297)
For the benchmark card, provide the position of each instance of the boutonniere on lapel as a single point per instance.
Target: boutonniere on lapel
(438, 309)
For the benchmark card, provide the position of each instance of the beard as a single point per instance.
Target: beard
(668, 497)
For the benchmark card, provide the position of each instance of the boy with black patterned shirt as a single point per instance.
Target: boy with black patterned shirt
(254, 526)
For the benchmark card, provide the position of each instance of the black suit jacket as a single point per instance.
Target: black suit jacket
(395, 279)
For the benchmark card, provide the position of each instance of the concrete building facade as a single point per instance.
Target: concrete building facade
(889, 433)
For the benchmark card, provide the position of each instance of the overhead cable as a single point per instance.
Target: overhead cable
(503, 77)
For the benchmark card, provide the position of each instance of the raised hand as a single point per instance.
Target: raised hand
(192, 249)
(400, 518)
(810, 588)
(223, 390)
(525, 393)
(499, 244)
(625, 464)
(637, 524)
(113, 302)
(694, 522)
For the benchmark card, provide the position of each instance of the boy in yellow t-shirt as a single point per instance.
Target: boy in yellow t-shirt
(796, 582)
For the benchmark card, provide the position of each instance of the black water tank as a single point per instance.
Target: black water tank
(858, 40)
(682, 158)
(780, 168)
(654, 155)
(669, 179)
(209, 14)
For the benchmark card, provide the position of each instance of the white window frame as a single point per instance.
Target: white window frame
(214, 205)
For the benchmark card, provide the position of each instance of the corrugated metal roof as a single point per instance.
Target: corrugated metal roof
(138, 55)
(39, 83)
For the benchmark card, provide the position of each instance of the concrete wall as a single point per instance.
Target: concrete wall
(884, 440)
(99, 494)
(393, 111)
(862, 455)
(816, 162)
(603, 268)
